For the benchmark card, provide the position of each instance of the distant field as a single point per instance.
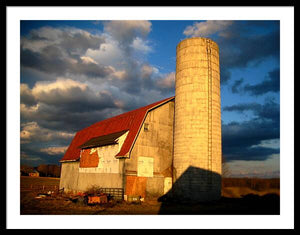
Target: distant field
(252, 183)
(237, 187)
(28, 182)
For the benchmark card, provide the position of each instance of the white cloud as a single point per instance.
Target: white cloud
(26, 95)
(121, 75)
(61, 51)
(108, 53)
(207, 28)
(168, 81)
(25, 156)
(87, 60)
(127, 30)
(61, 84)
(40, 38)
(31, 131)
(140, 45)
(54, 150)
(272, 143)
(267, 168)
(67, 38)
(27, 110)
(66, 95)
(66, 105)
(147, 71)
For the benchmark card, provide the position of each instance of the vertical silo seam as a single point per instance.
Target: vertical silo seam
(209, 167)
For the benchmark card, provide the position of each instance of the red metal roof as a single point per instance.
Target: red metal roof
(130, 121)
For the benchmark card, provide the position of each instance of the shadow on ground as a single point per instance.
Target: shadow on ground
(203, 198)
(250, 204)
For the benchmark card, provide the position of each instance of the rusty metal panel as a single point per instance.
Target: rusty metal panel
(89, 158)
(97, 199)
(136, 186)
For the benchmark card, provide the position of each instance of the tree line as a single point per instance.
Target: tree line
(44, 170)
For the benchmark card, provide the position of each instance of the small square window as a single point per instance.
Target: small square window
(146, 126)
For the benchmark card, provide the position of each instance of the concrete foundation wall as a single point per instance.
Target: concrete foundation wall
(103, 180)
(155, 141)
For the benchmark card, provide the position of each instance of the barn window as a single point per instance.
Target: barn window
(146, 126)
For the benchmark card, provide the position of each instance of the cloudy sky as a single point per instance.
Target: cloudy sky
(75, 73)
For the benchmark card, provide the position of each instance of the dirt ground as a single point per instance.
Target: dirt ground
(234, 201)
(250, 204)
(62, 205)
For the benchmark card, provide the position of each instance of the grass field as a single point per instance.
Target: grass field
(26, 181)
(238, 197)
(237, 187)
(38, 183)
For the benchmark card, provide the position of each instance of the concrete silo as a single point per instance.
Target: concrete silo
(197, 131)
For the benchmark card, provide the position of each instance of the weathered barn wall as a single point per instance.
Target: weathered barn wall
(101, 159)
(103, 180)
(107, 173)
(69, 176)
(73, 179)
(197, 128)
(106, 161)
(151, 156)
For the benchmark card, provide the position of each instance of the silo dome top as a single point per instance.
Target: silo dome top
(195, 41)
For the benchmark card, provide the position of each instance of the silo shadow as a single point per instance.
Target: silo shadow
(199, 197)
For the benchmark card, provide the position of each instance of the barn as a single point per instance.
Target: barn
(34, 173)
(171, 147)
(131, 152)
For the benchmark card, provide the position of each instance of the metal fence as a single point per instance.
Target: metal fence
(116, 193)
(39, 187)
